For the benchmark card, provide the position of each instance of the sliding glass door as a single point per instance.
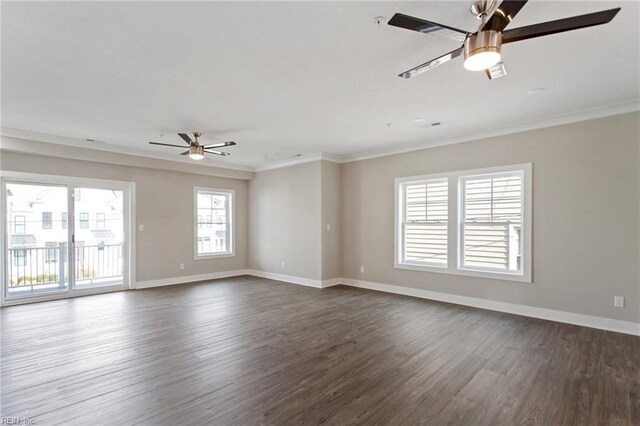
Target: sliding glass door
(37, 239)
(64, 239)
(98, 237)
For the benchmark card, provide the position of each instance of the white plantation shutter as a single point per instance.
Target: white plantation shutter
(492, 222)
(424, 225)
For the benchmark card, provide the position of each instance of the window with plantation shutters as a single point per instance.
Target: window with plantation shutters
(491, 235)
(424, 226)
(492, 221)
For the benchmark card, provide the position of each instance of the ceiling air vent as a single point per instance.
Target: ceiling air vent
(429, 125)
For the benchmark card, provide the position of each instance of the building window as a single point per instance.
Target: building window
(100, 221)
(204, 244)
(492, 210)
(216, 205)
(84, 220)
(19, 225)
(47, 220)
(19, 257)
(65, 220)
(51, 252)
(77, 194)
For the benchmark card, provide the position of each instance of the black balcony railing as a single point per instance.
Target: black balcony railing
(34, 266)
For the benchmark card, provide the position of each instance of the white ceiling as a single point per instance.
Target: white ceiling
(286, 78)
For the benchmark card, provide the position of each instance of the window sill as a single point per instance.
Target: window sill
(523, 278)
(213, 256)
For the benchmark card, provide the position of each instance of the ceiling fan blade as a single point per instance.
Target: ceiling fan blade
(416, 24)
(559, 26)
(496, 71)
(224, 154)
(186, 138)
(185, 153)
(219, 145)
(503, 15)
(432, 63)
(166, 144)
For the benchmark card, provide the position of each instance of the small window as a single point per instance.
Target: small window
(19, 257)
(51, 252)
(100, 221)
(77, 194)
(19, 225)
(47, 220)
(65, 220)
(84, 220)
(216, 206)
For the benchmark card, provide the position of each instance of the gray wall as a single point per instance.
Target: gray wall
(586, 208)
(332, 216)
(586, 222)
(164, 204)
(284, 221)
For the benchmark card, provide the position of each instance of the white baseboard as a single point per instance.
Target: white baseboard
(286, 278)
(331, 282)
(601, 323)
(190, 278)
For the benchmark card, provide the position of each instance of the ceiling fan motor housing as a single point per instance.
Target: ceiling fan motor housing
(482, 42)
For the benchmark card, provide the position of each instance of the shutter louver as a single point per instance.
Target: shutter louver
(425, 222)
(492, 221)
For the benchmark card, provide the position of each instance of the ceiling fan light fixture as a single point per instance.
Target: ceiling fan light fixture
(482, 50)
(196, 152)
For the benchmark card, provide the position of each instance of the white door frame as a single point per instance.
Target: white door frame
(129, 206)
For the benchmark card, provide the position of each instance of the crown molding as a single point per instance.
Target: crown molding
(47, 149)
(624, 107)
(299, 160)
(58, 146)
(63, 142)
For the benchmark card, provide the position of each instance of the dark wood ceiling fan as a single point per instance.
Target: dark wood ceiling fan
(196, 151)
(482, 49)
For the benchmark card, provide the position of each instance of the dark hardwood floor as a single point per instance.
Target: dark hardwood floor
(248, 351)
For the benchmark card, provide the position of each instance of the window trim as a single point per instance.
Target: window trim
(231, 194)
(455, 228)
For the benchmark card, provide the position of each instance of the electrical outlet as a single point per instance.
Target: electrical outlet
(182, 266)
(618, 301)
(328, 227)
(362, 269)
(140, 227)
(284, 265)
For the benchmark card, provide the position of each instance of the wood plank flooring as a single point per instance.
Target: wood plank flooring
(247, 351)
